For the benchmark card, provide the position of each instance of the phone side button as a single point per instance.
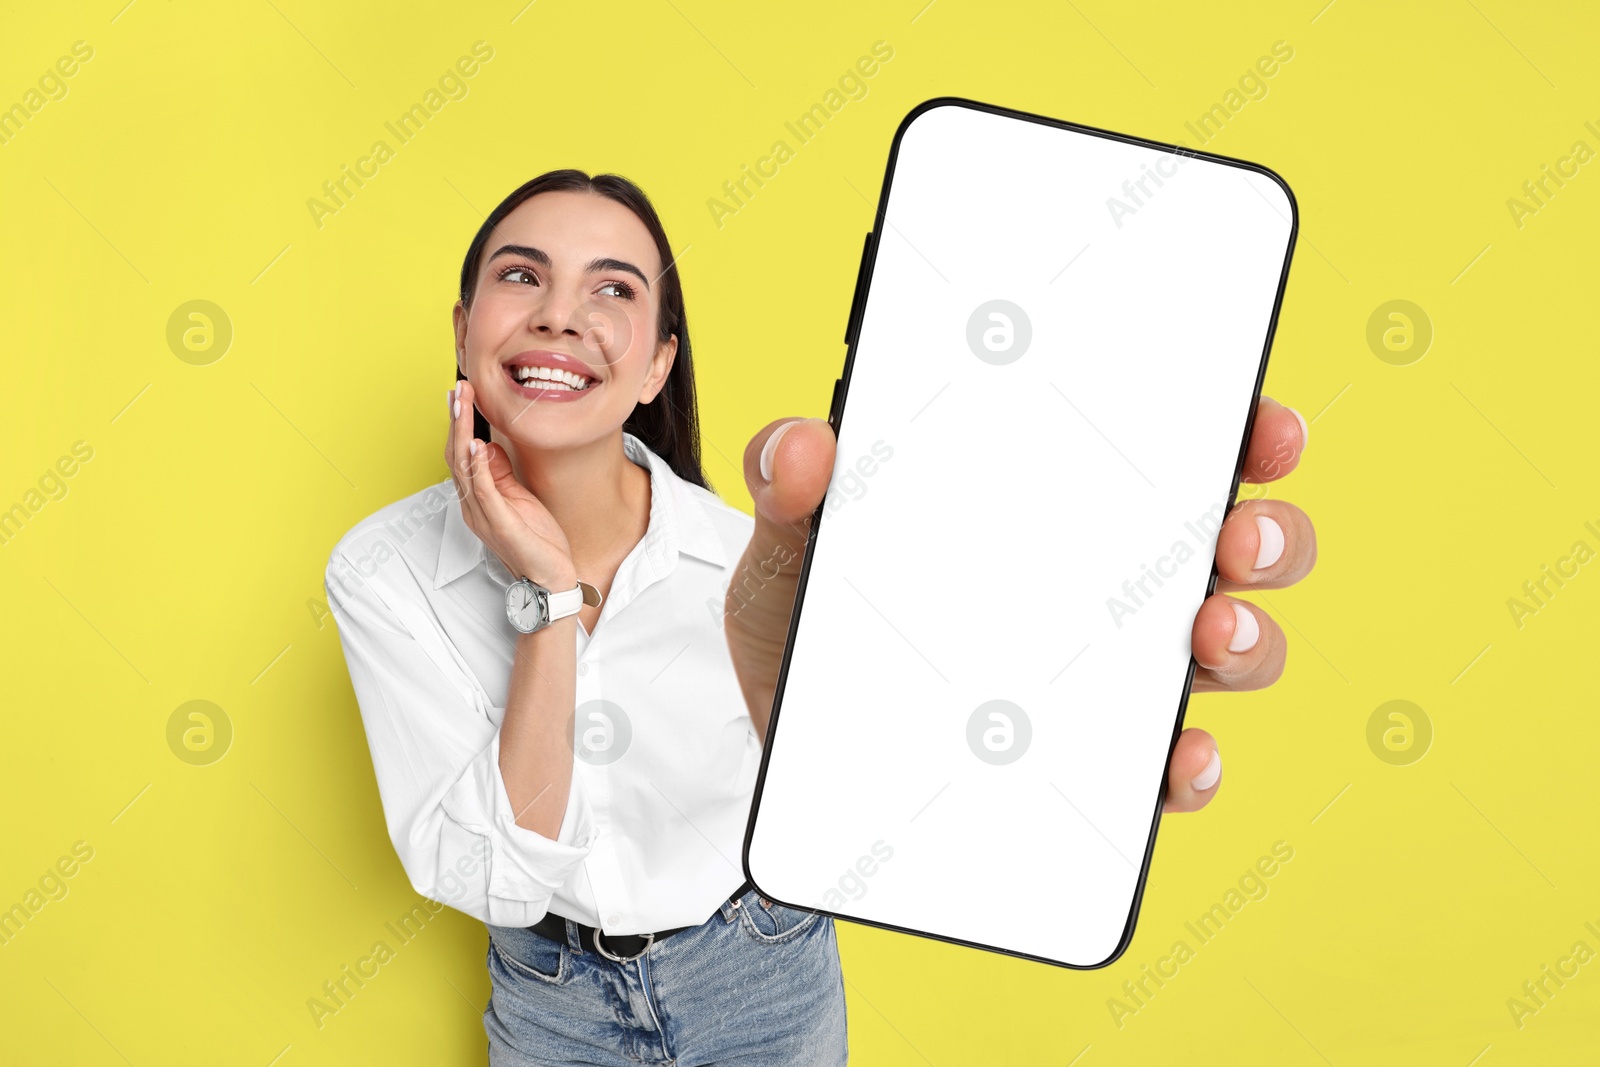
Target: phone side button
(833, 405)
(855, 298)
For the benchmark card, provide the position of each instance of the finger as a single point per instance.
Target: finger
(497, 465)
(481, 479)
(450, 431)
(491, 467)
(1236, 645)
(1276, 442)
(1264, 544)
(453, 443)
(787, 468)
(464, 463)
(500, 518)
(1194, 773)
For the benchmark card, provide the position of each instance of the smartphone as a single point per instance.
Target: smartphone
(1053, 360)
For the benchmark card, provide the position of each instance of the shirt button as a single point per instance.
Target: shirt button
(583, 668)
(613, 920)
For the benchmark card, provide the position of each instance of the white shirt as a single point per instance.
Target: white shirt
(666, 754)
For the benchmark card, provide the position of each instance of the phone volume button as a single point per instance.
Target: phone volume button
(851, 323)
(833, 405)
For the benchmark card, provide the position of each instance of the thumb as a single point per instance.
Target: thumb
(787, 468)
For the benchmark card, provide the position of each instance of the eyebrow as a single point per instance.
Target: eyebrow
(599, 263)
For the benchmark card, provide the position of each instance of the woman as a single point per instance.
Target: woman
(564, 674)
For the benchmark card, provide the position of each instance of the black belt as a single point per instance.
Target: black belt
(622, 948)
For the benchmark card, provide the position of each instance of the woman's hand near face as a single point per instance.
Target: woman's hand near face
(1263, 544)
(507, 518)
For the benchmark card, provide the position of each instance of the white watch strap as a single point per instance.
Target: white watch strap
(567, 602)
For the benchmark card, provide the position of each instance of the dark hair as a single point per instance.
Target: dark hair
(670, 424)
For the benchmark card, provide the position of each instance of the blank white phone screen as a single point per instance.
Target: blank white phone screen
(1056, 360)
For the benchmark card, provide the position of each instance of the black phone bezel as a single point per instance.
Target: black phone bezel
(841, 390)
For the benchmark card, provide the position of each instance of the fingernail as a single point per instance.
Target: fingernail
(1305, 431)
(770, 447)
(472, 447)
(1246, 631)
(1271, 549)
(450, 401)
(1209, 774)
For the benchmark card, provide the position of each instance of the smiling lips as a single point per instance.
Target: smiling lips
(547, 375)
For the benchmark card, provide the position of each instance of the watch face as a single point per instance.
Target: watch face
(522, 605)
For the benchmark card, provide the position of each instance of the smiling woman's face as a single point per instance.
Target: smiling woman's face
(567, 294)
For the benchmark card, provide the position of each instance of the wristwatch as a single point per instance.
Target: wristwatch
(531, 607)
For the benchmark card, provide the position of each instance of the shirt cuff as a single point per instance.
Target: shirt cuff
(525, 866)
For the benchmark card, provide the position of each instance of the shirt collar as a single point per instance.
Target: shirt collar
(678, 523)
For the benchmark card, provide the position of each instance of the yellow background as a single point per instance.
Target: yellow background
(185, 560)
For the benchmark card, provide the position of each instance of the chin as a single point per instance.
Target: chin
(551, 431)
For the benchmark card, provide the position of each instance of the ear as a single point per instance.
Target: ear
(460, 319)
(660, 367)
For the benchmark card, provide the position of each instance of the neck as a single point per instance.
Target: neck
(598, 496)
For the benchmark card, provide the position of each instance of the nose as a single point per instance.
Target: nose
(553, 315)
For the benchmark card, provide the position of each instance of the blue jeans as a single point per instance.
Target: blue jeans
(756, 985)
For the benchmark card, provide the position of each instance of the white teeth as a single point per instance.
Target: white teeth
(576, 382)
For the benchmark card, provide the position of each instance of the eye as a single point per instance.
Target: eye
(508, 273)
(624, 290)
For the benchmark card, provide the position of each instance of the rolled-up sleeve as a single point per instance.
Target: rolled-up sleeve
(436, 756)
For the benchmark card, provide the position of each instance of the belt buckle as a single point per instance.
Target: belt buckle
(600, 945)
